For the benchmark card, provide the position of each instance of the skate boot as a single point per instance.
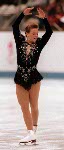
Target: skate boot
(30, 139)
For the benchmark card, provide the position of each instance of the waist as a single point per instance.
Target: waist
(23, 69)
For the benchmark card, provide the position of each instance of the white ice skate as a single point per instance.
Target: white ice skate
(29, 139)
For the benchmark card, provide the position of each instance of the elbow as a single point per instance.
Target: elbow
(50, 33)
(12, 25)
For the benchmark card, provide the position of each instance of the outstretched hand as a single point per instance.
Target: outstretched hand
(41, 13)
(27, 11)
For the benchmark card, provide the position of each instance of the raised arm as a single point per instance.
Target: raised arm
(17, 35)
(47, 35)
(42, 41)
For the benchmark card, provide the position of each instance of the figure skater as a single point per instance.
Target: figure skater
(27, 77)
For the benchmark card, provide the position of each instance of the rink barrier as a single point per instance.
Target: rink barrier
(48, 75)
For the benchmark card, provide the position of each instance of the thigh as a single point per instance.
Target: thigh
(23, 96)
(34, 94)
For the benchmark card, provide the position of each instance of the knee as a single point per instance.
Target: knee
(34, 108)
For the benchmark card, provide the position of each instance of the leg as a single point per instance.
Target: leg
(34, 93)
(23, 99)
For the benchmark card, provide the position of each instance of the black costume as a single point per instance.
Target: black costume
(27, 73)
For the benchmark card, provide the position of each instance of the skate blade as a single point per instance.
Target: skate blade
(32, 142)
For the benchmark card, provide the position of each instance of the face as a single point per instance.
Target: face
(32, 35)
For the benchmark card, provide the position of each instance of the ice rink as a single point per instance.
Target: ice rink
(50, 133)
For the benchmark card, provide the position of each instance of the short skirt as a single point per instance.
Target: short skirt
(35, 76)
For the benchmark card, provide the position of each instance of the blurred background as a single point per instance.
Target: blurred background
(53, 54)
(54, 10)
(51, 65)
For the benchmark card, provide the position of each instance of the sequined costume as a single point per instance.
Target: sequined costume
(27, 73)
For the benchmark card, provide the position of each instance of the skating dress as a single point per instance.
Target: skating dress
(27, 73)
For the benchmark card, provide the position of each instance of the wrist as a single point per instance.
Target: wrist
(23, 12)
(44, 17)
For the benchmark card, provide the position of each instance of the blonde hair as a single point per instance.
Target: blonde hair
(32, 23)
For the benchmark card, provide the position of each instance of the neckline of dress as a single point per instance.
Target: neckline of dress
(29, 43)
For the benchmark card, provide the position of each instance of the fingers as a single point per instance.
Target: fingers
(37, 15)
(31, 8)
(39, 9)
(30, 13)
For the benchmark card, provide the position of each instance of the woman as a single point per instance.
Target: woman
(27, 78)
